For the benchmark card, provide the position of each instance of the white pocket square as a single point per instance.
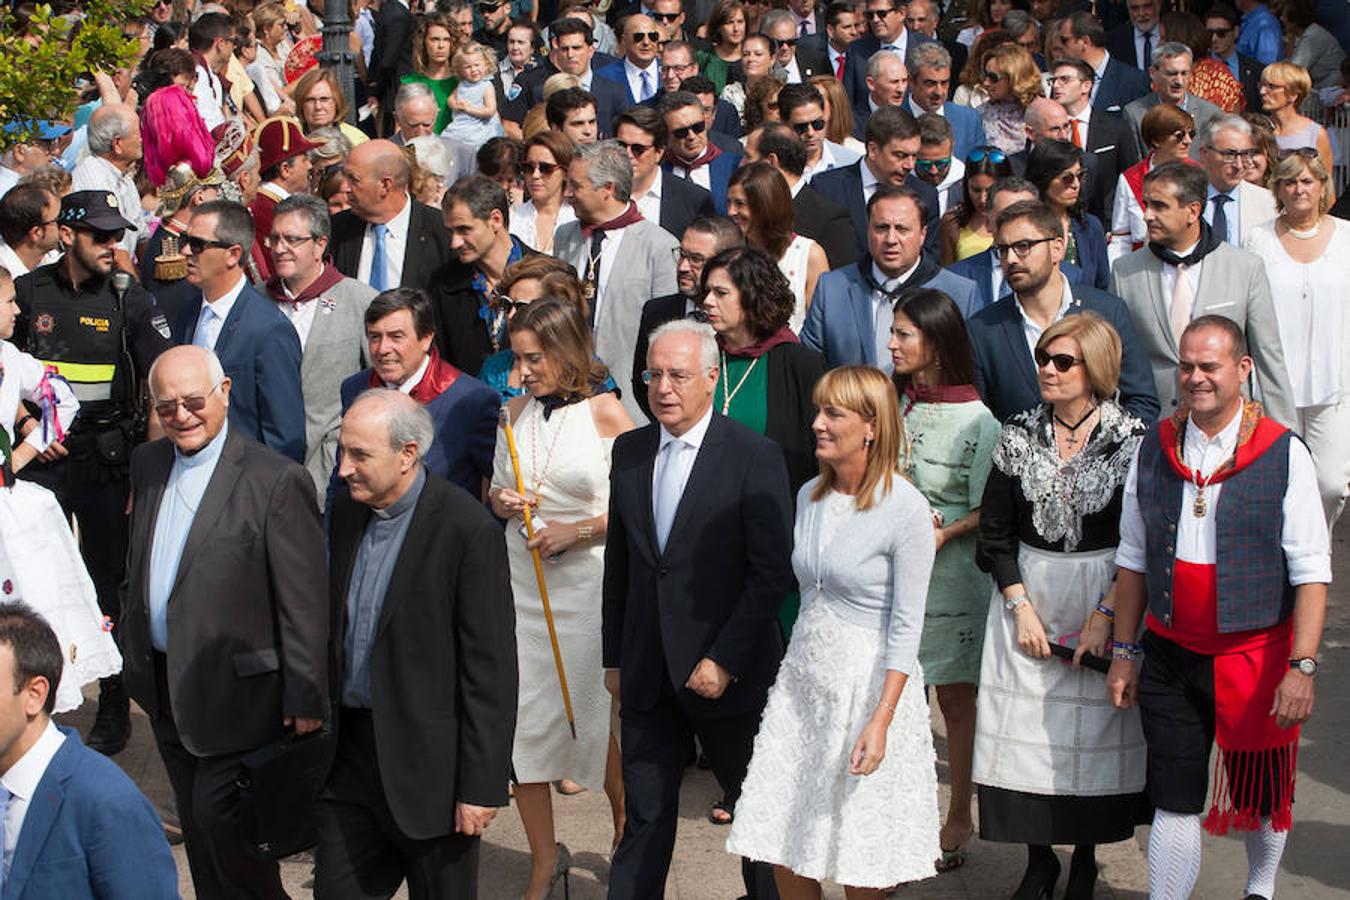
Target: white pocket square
(1106, 149)
(1213, 306)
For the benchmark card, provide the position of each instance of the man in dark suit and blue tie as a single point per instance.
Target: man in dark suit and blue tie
(697, 564)
(256, 343)
(78, 828)
(637, 71)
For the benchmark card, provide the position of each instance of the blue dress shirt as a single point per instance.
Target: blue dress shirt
(188, 479)
(1260, 36)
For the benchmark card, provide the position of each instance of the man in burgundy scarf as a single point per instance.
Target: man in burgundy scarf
(690, 154)
(1224, 553)
(400, 330)
(328, 312)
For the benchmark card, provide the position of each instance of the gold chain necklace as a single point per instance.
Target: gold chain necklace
(537, 475)
(728, 397)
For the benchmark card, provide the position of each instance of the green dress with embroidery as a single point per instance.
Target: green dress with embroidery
(951, 452)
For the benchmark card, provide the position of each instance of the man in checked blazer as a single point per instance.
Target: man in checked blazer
(1221, 280)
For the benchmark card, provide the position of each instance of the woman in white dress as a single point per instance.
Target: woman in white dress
(547, 156)
(39, 561)
(758, 200)
(564, 426)
(844, 745)
(1305, 252)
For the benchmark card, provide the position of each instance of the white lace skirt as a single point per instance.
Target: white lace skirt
(41, 565)
(799, 807)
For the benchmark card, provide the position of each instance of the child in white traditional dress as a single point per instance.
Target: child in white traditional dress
(39, 561)
(474, 102)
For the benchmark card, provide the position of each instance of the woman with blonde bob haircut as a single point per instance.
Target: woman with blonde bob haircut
(1012, 80)
(1284, 86)
(845, 740)
(1100, 346)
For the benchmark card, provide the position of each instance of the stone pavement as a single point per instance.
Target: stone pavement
(1316, 865)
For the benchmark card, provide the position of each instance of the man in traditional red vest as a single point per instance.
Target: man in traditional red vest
(1225, 555)
(285, 170)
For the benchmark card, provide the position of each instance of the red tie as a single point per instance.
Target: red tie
(839, 67)
(1077, 135)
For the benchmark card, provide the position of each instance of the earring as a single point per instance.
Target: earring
(867, 442)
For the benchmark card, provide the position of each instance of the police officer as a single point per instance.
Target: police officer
(100, 331)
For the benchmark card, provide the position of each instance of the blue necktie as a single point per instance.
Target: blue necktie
(199, 337)
(668, 491)
(646, 86)
(5, 797)
(1220, 223)
(379, 264)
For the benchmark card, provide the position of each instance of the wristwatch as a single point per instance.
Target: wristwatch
(1016, 600)
(1306, 664)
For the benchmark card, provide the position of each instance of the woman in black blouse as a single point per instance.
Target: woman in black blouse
(1054, 761)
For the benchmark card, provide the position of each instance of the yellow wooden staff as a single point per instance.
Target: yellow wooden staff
(539, 572)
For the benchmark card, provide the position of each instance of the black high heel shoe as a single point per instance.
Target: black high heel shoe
(561, 872)
(1082, 874)
(1038, 883)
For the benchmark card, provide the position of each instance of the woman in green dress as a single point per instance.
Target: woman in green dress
(950, 439)
(433, 47)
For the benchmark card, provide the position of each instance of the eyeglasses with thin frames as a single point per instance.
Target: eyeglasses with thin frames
(167, 409)
(679, 379)
(1020, 248)
(293, 241)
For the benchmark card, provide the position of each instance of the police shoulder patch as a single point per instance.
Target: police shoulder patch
(161, 324)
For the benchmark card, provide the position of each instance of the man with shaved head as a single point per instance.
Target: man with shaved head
(637, 69)
(1047, 120)
(387, 239)
(419, 574)
(224, 629)
(114, 150)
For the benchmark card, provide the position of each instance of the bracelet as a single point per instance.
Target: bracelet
(886, 705)
(585, 532)
(1125, 650)
(18, 426)
(1107, 614)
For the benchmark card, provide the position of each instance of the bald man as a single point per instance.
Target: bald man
(637, 69)
(224, 629)
(387, 239)
(1048, 120)
(114, 150)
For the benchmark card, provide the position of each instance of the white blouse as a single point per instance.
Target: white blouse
(1310, 306)
(1127, 223)
(524, 217)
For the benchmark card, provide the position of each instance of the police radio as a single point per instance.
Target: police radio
(120, 282)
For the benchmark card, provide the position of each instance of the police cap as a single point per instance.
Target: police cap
(96, 210)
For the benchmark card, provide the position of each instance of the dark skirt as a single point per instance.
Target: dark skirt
(1016, 817)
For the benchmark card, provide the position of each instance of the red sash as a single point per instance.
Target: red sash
(435, 380)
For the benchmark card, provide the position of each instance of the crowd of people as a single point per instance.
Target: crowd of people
(580, 392)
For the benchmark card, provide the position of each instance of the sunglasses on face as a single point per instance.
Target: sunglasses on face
(933, 165)
(993, 154)
(512, 306)
(1183, 135)
(1071, 177)
(104, 237)
(779, 44)
(1062, 362)
(682, 133)
(635, 149)
(879, 13)
(804, 127)
(995, 77)
(201, 244)
(1219, 32)
(639, 36)
(1020, 248)
(1304, 152)
(665, 18)
(542, 168)
(167, 409)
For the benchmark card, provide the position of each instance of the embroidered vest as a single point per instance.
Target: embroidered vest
(1251, 572)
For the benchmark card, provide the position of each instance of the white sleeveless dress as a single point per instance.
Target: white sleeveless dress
(571, 458)
(40, 563)
(793, 264)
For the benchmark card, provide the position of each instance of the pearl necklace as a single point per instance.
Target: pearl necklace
(1304, 235)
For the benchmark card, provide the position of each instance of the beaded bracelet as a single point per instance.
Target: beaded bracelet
(1125, 650)
(1105, 612)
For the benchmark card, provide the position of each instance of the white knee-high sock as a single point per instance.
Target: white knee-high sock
(1173, 855)
(1264, 849)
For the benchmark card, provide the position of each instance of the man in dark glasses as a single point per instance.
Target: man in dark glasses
(798, 60)
(690, 154)
(103, 342)
(937, 164)
(1171, 77)
(1222, 22)
(670, 202)
(1029, 241)
(637, 70)
(496, 16)
(803, 110)
(886, 19)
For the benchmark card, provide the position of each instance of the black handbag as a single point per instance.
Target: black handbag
(277, 785)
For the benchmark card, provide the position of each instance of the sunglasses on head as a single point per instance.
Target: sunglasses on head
(1062, 362)
(1303, 152)
(682, 133)
(640, 36)
(813, 125)
(993, 154)
(543, 168)
(779, 43)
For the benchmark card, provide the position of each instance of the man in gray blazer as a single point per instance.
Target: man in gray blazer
(623, 259)
(1188, 271)
(224, 630)
(1171, 74)
(328, 311)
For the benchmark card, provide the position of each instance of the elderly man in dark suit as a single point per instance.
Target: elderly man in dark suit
(387, 239)
(424, 664)
(697, 563)
(224, 630)
(252, 338)
(886, 18)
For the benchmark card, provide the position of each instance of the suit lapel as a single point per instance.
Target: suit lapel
(231, 323)
(700, 479)
(43, 811)
(861, 300)
(217, 495)
(1017, 345)
(644, 475)
(406, 566)
(153, 497)
(1152, 275)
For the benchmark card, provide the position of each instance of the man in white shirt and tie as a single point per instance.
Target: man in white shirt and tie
(1234, 206)
(641, 44)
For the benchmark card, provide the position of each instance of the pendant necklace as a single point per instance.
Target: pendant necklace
(1304, 235)
(728, 397)
(1073, 429)
(1201, 506)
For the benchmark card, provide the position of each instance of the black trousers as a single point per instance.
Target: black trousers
(362, 853)
(208, 808)
(101, 508)
(655, 745)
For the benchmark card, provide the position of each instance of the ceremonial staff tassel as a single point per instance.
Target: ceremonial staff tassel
(539, 572)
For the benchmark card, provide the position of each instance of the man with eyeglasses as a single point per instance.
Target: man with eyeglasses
(850, 316)
(1029, 241)
(670, 202)
(28, 231)
(1222, 22)
(225, 634)
(1188, 271)
(703, 239)
(1235, 206)
(477, 215)
(284, 162)
(798, 61)
(496, 16)
(637, 70)
(1103, 136)
(327, 309)
(690, 154)
(102, 339)
(930, 80)
(1171, 77)
(27, 156)
(886, 21)
(678, 65)
(937, 164)
(802, 109)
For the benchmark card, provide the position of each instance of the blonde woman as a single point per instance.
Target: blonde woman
(845, 743)
(1284, 87)
(1012, 80)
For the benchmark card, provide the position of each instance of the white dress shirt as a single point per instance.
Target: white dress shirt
(1084, 119)
(918, 110)
(792, 72)
(684, 461)
(649, 202)
(701, 176)
(956, 173)
(1030, 329)
(395, 246)
(832, 156)
(220, 311)
(11, 262)
(869, 181)
(413, 380)
(900, 45)
(300, 314)
(22, 781)
(1153, 42)
(634, 76)
(996, 281)
(1168, 277)
(8, 179)
(882, 316)
(1303, 536)
(210, 96)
